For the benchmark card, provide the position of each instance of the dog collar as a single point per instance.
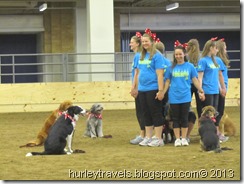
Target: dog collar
(98, 116)
(70, 117)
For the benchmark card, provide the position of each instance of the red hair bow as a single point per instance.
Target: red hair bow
(154, 36)
(148, 31)
(138, 34)
(157, 40)
(214, 39)
(177, 43)
(222, 39)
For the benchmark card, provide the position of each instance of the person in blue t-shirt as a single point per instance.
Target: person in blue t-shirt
(178, 80)
(161, 48)
(210, 76)
(150, 87)
(135, 45)
(222, 53)
(193, 56)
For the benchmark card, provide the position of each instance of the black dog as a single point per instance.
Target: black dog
(207, 130)
(56, 140)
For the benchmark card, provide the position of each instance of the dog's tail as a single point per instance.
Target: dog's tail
(219, 150)
(35, 153)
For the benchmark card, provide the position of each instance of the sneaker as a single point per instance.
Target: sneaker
(137, 140)
(223, 138)
(156, 142)
(184, 142)
(145, 141)
(177, 142)
(188, 140)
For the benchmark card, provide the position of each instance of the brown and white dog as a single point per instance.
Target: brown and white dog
(42, 135)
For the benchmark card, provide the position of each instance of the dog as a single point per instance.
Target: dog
(42, 135)
(56, 139)
(208, 131)
(227, 126)
(94, 122)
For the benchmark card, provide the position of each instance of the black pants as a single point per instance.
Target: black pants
(164, 102)
(198, 101)
(180, 114)
(221, 108)
(213, 100)
(151, 108)
(139, 113)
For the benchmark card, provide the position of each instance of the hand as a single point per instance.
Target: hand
(134, 93)
(222, 92)
(201, 96)
(159, 95)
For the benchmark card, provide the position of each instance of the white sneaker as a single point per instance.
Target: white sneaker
(156, 142)
(145, 141)
(177, 142)
(184, 142)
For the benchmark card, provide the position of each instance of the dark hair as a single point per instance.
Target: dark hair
(184, 51)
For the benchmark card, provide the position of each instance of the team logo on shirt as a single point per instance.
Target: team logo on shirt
(145, 62)
(179, 73)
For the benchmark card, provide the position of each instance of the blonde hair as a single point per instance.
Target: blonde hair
(222, 54)
(193, 51)
(152, 50)
(160, 47)
(206, 50)
(137, 40)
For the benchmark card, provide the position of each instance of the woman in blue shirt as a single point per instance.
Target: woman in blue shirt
(150, 87)
(210, 76)
(222, 53)
(178, 80)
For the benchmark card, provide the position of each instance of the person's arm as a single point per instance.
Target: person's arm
(160, 76)
(200, 77)
(196, 83)
(222, 84)
(134, 87)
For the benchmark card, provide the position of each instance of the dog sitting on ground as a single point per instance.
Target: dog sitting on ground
(56, 139)
(208, 131)
(94, 122)
(227, 126)
(42, 135)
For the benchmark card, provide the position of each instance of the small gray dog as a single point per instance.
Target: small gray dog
(94, 122)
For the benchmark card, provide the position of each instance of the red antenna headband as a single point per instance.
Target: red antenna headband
(177, 43)
(214, 39)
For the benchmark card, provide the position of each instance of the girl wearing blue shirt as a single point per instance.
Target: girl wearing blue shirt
(150, 86)
(210, 75)
(135, 45)
(222, 53)
(178, 80)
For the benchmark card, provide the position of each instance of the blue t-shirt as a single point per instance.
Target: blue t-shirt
(167, 64)
(134, 64)
(147, 78)
(210, 81)
(224, 70)
(180, 82)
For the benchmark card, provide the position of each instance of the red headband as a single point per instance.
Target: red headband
(214, 39)
(138, 34)
(149, 32)
(222, 39)
(177, 43)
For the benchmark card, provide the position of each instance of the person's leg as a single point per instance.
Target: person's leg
(155, 107)
(191, 121)
(184, 109)
(175, 109)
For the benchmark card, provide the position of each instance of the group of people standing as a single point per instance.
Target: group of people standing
(157, 81)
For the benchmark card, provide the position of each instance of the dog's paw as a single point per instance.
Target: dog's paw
(28, 155)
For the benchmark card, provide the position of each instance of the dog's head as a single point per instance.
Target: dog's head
(96, 108)
(209, 112)
(75, 111)
(65, 105)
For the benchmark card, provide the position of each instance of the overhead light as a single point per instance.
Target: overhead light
(43, 7)
(172, 6)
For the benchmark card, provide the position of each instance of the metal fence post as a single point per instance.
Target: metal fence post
(65, 61)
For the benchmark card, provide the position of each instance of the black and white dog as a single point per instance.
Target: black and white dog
(59, 132)
(94, 122)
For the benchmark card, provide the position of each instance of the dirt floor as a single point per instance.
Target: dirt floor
(115, 158)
